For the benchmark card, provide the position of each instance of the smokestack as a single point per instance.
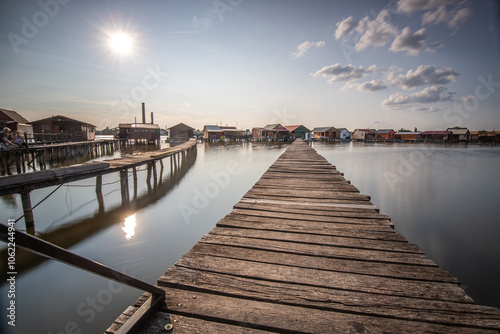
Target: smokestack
(152, 118)
(143, 113)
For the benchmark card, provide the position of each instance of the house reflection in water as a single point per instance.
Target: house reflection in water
(129, 227)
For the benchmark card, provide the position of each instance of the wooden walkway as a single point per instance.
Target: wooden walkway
(29, 181)
(304, 252)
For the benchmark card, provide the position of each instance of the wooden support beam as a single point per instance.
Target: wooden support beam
(124, 186)
(28, 212)
(98, 184)
(134, 176)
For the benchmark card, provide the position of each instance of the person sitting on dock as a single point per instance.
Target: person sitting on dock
(4, 140)
(19, 139)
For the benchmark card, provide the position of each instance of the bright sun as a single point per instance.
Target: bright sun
(121, 43)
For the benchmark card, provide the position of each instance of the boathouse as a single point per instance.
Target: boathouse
(297, 131)
(364, 134)
(385, 134)
(14, 121)
(212, 132)
(277, 131)
(328, 132)
(180, 131)
(72, 129)
(344, 134)
(460, 134)
(231, 132)
(407, 136)
(437, 135)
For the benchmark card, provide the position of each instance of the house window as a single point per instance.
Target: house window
(45, 126)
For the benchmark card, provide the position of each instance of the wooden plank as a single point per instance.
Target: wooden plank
(316, 239)
(446, 313)
(339, 218)
(327, 279)
(321, 209)
(292, 319)
(313, 228)
(434, 274)
(23, 179)
(316, 250)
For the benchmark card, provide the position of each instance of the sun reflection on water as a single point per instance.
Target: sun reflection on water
(129, 227)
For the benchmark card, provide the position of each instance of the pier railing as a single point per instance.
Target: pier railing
(51, 251)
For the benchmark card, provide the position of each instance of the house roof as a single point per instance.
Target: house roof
(343, 129)
(14, 116)
(61, 118)
(212, 128)
(294, 127)
(272, 126)
(436, 133)
(324, 129)
(458, 131)
(228, 128)
(384, 130)
(181, 124)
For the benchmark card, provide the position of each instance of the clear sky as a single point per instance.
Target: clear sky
(430, 64)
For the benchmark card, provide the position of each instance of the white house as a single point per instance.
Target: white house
(344, 133)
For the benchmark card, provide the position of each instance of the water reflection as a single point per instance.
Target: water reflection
(74, 232)
(129, 227)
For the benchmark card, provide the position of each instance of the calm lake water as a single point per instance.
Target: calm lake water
(443, 198)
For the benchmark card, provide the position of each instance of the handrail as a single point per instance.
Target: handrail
(55, 252)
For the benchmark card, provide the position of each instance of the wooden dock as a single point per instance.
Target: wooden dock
(26, 158)
(305, 252)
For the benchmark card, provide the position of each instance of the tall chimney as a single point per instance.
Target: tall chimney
(143, 113)
(152, 118)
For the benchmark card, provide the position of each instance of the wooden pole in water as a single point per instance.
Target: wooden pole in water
(134, 175)
(98, 184)
(124, 186)
(98, 190)
(155, 177)
(28, 212)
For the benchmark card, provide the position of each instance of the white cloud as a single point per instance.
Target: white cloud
(338, 73)
(302, 48)
(452, 12)
(345, 27)
(453, 17)
(413, 43)
(428, 95)
(427, 109)
(410, 6)
(368, 86)
(377, 32)
(423, 75)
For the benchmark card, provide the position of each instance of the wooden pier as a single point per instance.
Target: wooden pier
(305, 252)
(41, 155)
(25, 183)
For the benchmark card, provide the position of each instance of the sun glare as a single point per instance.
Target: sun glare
(121, 43)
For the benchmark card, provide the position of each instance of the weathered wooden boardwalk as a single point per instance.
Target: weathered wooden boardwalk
(305, 252)
(29, 181)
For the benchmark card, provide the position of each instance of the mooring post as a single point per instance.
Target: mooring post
(28, 212)
(155, 176)
(124, 185)
(134, 176)
(98, 184)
